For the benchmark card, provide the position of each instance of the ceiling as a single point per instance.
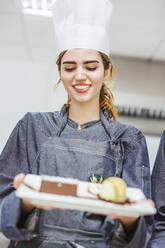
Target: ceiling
(137, 30)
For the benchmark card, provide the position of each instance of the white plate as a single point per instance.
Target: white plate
(139, 208)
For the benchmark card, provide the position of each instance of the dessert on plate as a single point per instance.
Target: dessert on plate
(103, 196)
(112, 189)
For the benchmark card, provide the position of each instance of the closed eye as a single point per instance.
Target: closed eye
(91, 68)
(88, 68)
(69, 69)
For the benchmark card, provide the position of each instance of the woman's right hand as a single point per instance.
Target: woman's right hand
(26, 205)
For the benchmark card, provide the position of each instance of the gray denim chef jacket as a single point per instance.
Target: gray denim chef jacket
(44, 143)
(158, 195)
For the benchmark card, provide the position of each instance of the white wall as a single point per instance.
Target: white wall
(153, 144)
(23, 88)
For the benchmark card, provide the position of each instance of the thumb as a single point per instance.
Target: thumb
(18, 179)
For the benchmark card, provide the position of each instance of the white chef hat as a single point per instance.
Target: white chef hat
(82, 24)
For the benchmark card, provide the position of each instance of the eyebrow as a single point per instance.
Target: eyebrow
(85, 62)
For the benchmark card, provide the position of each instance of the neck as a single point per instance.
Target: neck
(84, 112)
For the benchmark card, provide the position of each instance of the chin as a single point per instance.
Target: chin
(83, 99)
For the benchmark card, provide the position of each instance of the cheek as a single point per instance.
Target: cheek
(98, 77)
(66, 77)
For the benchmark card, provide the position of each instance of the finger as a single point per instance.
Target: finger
(44, 207)
(152, 203)
(123, 218)
(48, 207)
(18, 179)
(99, 213)
(113, 216)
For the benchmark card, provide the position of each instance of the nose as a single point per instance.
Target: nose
(80, 75)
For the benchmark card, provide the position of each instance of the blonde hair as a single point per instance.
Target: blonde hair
(106, 96)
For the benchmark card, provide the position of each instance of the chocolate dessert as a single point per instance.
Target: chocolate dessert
(58, 188)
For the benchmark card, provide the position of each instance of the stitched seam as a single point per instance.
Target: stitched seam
(1, 206)
(36, 157)
(96, 124)
(51, 122)
(73, 229)
(70, 139)
(81, 150)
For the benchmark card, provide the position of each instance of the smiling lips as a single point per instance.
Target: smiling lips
(81, 88)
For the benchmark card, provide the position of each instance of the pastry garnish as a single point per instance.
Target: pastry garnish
(113, 189)
(96, 179)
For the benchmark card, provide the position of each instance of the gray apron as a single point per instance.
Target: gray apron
(80, 159)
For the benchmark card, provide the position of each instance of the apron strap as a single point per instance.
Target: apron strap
(111, 129)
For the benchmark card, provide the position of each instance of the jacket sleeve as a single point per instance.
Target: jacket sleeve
(158, 195)
(136, 173)
(13, 160)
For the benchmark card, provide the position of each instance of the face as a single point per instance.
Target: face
(82, 73)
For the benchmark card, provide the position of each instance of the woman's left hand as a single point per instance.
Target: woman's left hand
(128, 223)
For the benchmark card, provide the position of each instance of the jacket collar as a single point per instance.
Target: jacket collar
(113, 128)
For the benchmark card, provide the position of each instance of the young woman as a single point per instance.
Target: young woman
(158, 194)
(77, 142)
